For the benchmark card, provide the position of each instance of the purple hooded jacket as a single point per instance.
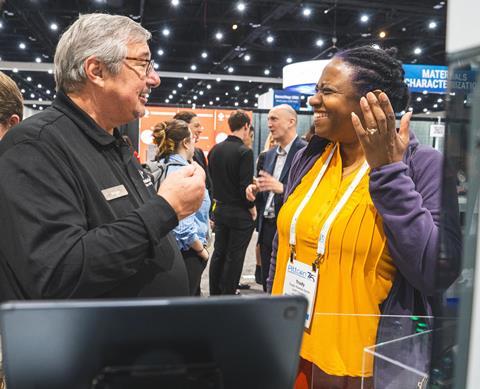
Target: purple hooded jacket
(408, 196)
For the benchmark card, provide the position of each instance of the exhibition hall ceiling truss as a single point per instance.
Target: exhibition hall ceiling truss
(241, 45)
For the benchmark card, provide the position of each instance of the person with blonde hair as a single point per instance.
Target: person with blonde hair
(176, 147)
(11, 104)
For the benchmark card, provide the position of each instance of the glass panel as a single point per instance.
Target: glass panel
(450, 347)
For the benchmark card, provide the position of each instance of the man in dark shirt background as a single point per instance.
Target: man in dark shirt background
(231, 169)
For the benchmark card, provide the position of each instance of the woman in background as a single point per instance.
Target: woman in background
(176, 146)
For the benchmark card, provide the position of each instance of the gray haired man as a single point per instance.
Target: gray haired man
(79, 217)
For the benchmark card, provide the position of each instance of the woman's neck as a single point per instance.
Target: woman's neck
(352, 153)
(183, 153)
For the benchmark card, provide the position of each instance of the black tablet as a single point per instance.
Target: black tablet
(211, 343)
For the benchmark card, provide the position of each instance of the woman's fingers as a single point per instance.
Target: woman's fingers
(357, 125)
(368, 115)
(378, 113)
(388, 111)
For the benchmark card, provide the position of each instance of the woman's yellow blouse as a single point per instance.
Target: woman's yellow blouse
(355, 276)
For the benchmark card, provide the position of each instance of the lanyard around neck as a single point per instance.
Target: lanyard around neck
(328, 223)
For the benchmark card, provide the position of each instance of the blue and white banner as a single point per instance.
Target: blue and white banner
(286, 97)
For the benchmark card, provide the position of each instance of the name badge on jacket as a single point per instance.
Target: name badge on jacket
(114, 192)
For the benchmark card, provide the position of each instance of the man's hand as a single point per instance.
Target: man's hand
(267, 183)
(253, 213)
(252, 190)
(184, 189)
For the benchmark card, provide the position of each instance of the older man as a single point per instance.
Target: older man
(79, 217)
(11, 104)
(282, 123)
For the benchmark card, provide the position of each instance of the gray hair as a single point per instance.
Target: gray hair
(101, 35)
(288, 109)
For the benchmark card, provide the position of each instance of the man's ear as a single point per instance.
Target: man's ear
(94, 70)
(13, 120)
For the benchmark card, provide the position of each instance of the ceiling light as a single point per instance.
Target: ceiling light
(174, 91)
(425, 110)
(39, 86)
(218, 79)
(266, 72)
(237, 88)
(425, 92)
(256, 105)
(32, 96)
(166, 32)
(54, 26)
(307, 12)
(219, 36)
(185, 78)
(167, 101)
(15, 70)
(48, 91)
(439, 100)
(209, 86)
(432, 25)
(50, 71)
(29, 78)
(189, 101)
(195, 97)
(364, 18)
(289, 60)
(193, 67)
(204, 54)
(270, 39)
(179, 85)
(23, 90)
(175, 3)
(230, 69)
(1, 25)
(236, 104)
(247, 57)
(226, 93)
(234, 27)
(170, 96)
(210, 102)
(160, 52)
(376, 47)
(435, 105)
(38, 60)
(241, 6)
(256, 95)
(34, 105)
(319, 42)
(22, 45)
(417, 51)
(419, 98)
(217, 98)
(200, 93)
(382, 34)
(156, 65)
(245, 101)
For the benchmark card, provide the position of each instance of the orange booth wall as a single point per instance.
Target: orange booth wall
(214, 121)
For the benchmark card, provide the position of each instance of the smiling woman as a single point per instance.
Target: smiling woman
(362, 214)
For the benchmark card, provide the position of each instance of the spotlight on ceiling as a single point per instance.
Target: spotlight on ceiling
(319, 42)
(241, 6)
(175, 3)
(432, 25)
(270, 39)
(166, 32)
(364, 18)
(22, 45)
(247, 57)
(307, 12)
(54, 26)
(417, 51)
(204, 54)
(219, 36)
(382, 34)
(289, 60)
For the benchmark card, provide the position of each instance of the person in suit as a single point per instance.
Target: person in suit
(230, 164)
(269, 186)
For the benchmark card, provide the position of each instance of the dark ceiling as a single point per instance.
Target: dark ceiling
(193, 25)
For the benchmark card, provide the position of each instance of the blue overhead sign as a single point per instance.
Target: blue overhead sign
(434, 79)
(293, 99)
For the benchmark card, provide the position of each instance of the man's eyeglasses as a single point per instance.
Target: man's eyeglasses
(148, 62)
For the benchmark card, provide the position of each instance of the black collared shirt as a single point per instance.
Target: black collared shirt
(79, 218)
(231, 170)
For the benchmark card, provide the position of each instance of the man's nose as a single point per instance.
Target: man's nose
(153, 79)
